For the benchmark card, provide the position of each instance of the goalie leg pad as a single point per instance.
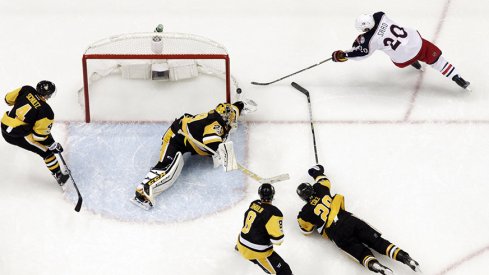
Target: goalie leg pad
(163, 179)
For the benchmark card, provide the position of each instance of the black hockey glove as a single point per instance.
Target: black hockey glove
(339, 56)
(315, 171)
(56, 148)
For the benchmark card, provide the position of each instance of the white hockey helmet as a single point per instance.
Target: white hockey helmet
(364, 22)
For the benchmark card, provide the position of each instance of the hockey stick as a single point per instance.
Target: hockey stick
(80, 199)
(306, 92)
(243, 169)
(312, 66)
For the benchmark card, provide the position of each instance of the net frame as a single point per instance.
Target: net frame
(205, 49)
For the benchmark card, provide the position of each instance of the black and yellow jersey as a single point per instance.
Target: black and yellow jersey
(30, 116)
(262, 228)
(208, 128)
(322, 210)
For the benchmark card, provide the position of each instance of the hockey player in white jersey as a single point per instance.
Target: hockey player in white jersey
(403, 45)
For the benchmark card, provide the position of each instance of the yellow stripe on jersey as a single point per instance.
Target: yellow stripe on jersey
(42, 127)
(166, 141)
(12, 122)
(11, 97)
(274, 229)
(250, 254)
(337, 204)
(29, 138)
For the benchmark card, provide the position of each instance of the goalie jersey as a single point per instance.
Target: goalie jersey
(30, 117)
(209, 128)
(322, 210)
(262, 228)
(400, 43)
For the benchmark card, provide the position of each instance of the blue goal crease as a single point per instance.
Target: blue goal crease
(108, 160)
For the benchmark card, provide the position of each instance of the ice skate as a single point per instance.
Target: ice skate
(141, 200)
(417, 66)
(61, 179)
(461, 82)
(378, 268)
(404, 258)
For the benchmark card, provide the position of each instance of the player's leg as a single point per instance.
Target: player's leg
(432, 55)
(50, 160)
(274, 264)
(371, 237)
(357, 250)
(163, 174)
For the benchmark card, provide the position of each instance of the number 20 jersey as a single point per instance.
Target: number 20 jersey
(400, 43)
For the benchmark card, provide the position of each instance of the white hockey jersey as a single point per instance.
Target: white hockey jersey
(400, 43)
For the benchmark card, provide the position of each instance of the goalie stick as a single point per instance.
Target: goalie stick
(243, 169)
(80, 199)
(306, 93)
(305, 69)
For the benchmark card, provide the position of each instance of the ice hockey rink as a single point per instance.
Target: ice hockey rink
(408, 150)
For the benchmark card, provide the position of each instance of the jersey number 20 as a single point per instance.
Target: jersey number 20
(398, 32)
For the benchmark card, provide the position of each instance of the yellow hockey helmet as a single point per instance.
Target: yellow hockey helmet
(229, 114)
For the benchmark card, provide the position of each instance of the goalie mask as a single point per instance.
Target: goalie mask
(266, 192)
(229, 114)
(305, 191)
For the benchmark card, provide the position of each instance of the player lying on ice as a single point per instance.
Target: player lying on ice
(326, 213)
(403, 45)
(211, 129)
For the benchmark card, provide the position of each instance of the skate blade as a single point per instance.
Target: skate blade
(145, 206)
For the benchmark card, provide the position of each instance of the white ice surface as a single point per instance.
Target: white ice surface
(409, 151)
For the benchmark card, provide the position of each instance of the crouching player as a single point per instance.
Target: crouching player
(262, 229)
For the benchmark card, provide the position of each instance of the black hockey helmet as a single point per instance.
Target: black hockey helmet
(266, 192)
(45, 88)
(305, 191)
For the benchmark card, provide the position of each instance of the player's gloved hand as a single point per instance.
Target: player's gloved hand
(56, 148)
(249, 106)
(316, 170)
(339, 56)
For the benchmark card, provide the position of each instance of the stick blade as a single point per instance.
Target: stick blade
(259, 83)
(78, 204)
(300, 88)
(278, 178)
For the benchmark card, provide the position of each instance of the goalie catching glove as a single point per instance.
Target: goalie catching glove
(225, 156)
(249, 106)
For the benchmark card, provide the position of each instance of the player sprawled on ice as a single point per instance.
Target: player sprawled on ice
(262, 229)
(28, 124)
(403, 45)
(326, 213)
(211, 129)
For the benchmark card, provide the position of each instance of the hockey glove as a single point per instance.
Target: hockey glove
(316, 171)
(249, 106)
(56, 148)
(339, 56)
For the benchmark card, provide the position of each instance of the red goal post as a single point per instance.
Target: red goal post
(155, 56)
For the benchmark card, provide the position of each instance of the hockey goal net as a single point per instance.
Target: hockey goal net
(155, 56)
